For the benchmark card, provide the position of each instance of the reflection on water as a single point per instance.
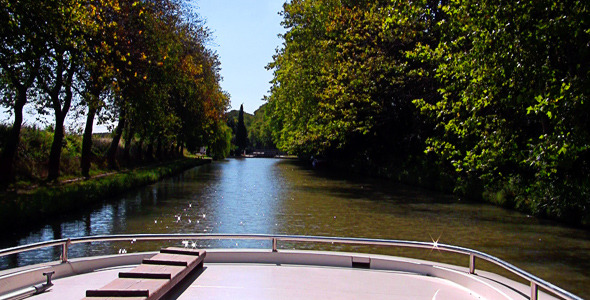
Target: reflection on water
(282, 197)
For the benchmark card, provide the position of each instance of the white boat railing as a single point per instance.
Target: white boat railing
(535, 282)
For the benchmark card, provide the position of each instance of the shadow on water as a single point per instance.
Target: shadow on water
(355, 186)
(381, 209)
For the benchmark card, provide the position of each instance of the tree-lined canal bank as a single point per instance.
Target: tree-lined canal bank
(274, 196)
(27, 208)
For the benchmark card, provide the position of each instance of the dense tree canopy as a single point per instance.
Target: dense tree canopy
(343, 78)
(485, 96)
(514, 109)
(260, 131)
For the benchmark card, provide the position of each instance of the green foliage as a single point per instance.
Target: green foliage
(39, 204)
(232, 118)
(143, 63)
(22, 45)
(514, 105)
(344, 81)
(260, 132)
(33, 152)
(488, 96)
(220, 144)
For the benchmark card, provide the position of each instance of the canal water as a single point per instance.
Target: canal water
(272, 196)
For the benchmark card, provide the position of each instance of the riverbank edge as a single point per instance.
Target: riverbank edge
(28, 208)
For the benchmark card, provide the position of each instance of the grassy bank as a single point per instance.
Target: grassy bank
(28, 207)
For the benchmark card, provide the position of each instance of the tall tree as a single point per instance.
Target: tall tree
(134, 60)
(97, 72)
(58, 68)
(241, 133)
(21, 48)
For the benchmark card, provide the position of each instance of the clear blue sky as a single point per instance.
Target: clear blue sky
(245, 37)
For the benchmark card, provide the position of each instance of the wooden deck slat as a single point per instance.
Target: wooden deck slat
(146, 275)
(164, 262)
(154, 277)
(151, 285)
(184, 251)
(175, 256)
(117, 293)
(172, 259)
(172, 270)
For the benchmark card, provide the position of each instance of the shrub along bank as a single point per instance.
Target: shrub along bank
(31, 207)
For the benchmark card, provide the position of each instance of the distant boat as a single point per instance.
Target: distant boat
(273, 273)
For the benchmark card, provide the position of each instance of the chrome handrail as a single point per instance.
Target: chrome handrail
(534, 281)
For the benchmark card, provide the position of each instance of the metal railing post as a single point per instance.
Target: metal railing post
(471, 264)
(274, 245)
(64, 250)
(534, 290)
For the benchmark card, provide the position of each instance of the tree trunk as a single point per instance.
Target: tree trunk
(87, 142)
(56, 146)
(139, 152)
(112, 152)
(128, 141)
(171, 150)
(150, 151)
(9, 154)
(60, 116)
(159, 149)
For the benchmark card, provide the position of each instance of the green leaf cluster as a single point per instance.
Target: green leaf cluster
(345, 78)
(260, 131)
(491, 94)
(514, 106)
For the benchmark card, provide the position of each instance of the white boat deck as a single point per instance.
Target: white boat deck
(310, 282)
(248, 281)
(261, 274)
